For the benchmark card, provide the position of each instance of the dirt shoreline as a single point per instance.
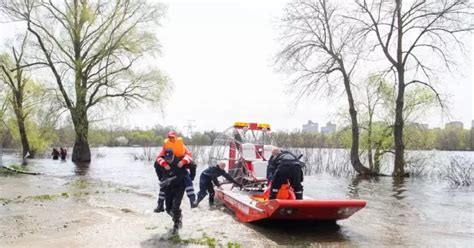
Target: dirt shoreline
(43, 211)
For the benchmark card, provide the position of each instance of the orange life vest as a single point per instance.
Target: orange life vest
(178, 147)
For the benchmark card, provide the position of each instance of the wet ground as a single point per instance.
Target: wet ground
(110, 203)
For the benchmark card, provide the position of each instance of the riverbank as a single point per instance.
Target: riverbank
(43, 211)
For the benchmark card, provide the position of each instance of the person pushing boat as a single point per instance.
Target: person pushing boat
(208, 179)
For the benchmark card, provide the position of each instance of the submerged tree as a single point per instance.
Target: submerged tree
(321, 50)
(96, 52)
(379, 108)
(406, 32)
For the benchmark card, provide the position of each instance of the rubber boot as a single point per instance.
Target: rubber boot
(177, 219)
(273, 194)
(175, 229)
(299, 195)
(211, 199)
(160, 208)
(192, 200)
(200, 198)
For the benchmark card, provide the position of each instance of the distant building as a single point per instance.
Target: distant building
(310, 127)
(454, 124)
(418, 125)
(329, 128)
(121, 140)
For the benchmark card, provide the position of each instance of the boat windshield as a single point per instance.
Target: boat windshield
(260, 137)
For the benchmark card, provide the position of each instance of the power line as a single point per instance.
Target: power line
(190, 126)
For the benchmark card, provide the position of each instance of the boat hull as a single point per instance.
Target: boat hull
(248, 209)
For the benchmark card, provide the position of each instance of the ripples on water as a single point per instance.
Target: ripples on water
(400, 212)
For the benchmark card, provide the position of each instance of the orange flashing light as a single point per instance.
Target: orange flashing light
(264, 126)
(240, 124)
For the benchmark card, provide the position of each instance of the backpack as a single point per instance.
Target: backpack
(288, 158)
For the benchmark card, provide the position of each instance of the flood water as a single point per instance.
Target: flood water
(406, 212)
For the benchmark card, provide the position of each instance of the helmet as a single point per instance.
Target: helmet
(172, 134)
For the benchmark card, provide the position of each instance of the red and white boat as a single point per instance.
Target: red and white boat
(246, 147)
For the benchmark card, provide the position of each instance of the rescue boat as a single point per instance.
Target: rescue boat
(246, 147)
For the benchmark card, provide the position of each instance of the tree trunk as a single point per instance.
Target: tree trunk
(377, 157)
(399, 170)
(369, 151)
(24, 138)
(355, 160)
(81, 151)
(369, 143)
(18, 107)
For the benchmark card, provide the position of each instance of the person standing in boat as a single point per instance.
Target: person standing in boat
(284, 166)
(173, 185)
(208, 179)
(176, 144)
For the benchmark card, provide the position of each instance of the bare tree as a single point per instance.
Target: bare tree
(96, 51)
(404, 33)
(22, 103)
(319, 49)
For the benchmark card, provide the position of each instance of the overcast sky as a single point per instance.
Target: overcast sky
(219, 55)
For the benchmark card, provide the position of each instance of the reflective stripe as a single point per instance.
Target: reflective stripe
(189, 188)
(190, 192)
(274, 190)
(162, 197)
(187, 159)
(161, 161)
(299, 192)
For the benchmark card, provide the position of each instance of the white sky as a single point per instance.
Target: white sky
(219, 55)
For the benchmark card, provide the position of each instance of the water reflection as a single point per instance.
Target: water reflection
(81, 169)
(354, 186)
(300, 232)
(398, 187)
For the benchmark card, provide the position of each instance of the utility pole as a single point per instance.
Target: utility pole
(191, 124)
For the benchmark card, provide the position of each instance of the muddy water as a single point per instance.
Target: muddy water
(110, 202)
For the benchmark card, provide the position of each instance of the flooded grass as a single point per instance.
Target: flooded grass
(35, 198)
(80, 184)
(146, 154)
(204, 240)
(122, 190)
(417, 165)
(335, 162)
(231, 244)
(200, 154)
(151, 227)
(5, 201)
(459, 171)
(6, 172)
